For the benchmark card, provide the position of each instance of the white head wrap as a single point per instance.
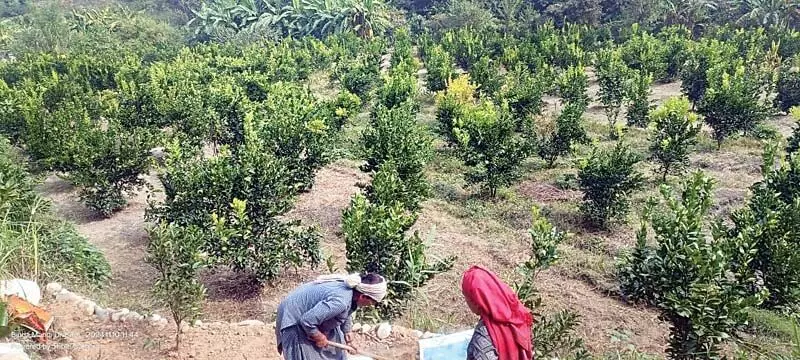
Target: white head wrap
(375, 291)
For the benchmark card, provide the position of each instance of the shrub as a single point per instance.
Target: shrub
(732, 102)
(769, 219)
(567, 132)
(700, 59)
(397, 89)
(264, 248)
(175, 253)
(346, 106)
(685, 269)
(788, 86)
(376, 241)
(637, 92)
(452, 104)
(440, 68)
(396, 137)
(611, 75)
(108, 165)
(572, 85)
(676, 39)
(554, 334)
(486, 75)
(196, 188)
(645, 53)
(359, 76)
(524, 97)
(607, 179)
(290, 126)
(675, 129)
(490, 147)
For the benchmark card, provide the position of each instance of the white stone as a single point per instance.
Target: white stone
(101, 313)
(356, 327)
(365, 328)
(67, 296)
(53, 288)
(25, 289)
(88, 307)
(251, 323)
(418, 334)
(198, 323)
(163, 322)
(384, 330)
(157, 152)
(154, 319)
(130, 316)
(117, 315)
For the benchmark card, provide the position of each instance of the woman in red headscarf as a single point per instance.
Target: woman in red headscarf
(504, 331)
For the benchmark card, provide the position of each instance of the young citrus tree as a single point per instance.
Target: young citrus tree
(490, 147)
(440, 68)
(176, 254)
(611, 75)
(674, 131)
(568, 131)
(452, 104)
(685, 272)
(607, 179)
(732, 103)
(572, 84)
(637, 93)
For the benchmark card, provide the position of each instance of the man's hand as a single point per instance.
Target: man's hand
(319, 340)
(348, 337)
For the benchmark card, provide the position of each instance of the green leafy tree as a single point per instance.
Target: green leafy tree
(675, 130)
(523, 94)
(108, 165)
(607, 179)
(611, 76)
(646, 53)
(788, 86)
(733, 102)
(439, 65)
(376, 241)
(176, 254)
(486, 75)
(568, 131)
(637, 94)
(572, 85)
(395, 137)
(685, 271)
(397, 89)
(770, 219)
(701, 57)
(359, 76)
(452, 104)
(490, 147)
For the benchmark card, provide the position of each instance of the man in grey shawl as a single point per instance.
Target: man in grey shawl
(319, 311)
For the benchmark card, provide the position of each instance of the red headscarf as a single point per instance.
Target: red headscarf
(509, 322)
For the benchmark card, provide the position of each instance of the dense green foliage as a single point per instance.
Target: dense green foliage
(675, 130)
(637, 95)
(788, 86)
(611, 76)
(607, 179)
(732, 103)
(572, 86)
(439, 65)
(684, 271)
(490, 147)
